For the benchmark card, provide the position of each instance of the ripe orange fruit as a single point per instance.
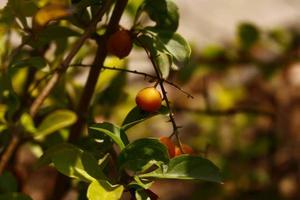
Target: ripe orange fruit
(119, 43)
(185, 148)
(148, 99)
(169, 144)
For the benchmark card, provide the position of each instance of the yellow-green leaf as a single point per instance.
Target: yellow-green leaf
(57, 120)
(102, 190)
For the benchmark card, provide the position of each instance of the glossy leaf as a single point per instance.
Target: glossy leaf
(73, 162)
(53, 122)
(102, 190)
(164, 63)
(164, 13)
(136, 115)
(115, 133)
(187, 167)
(176, 45)
(143, 153)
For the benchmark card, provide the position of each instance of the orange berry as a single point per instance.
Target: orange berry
(169, 144)
(148, 99)
(185, 148)
(120, 43)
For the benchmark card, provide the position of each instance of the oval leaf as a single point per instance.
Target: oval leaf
(36, 62)
(115, 133)
(143, 153)
(137, 115)
(73, 162)
(53, 122)
(102, 190)
(176, 45)
(164, 13)
(187, 167)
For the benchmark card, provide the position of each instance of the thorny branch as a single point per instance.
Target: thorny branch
(146, 75)
(165, 96)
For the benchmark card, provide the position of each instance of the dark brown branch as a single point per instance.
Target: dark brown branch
(85, 100)
(51, 83)
(65, 63)
(142, 74)
(8, 152)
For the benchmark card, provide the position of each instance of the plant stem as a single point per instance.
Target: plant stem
(85, 100)
(65, 63)
(146, 75)
(165, 97)
(51, 84)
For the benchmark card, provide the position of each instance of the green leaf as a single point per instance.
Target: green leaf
(36, 62)
(136, 115)
(14, 196)
(164, 63)
(164, 13)
(56, 120)
(73, 162)
(143, 153)
(52, 33)
(141, 195)
(187, 167)
(115, 133)
(176, 45)
(102, 190)
(8, 183)
(27, 123)
(248, 34)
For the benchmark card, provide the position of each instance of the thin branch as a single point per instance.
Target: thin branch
(8, 152)
(88, 91)
(65, 63)
(165, 97)
(52, 82)
(139, 73)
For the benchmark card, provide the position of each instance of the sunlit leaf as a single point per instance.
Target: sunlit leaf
(51, 12)
(115, 133)
(54, 121)
(72, 161)
(102, 190)
(187, 167)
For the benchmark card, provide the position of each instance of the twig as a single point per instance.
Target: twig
(165, 97)
(140, 73)
(95, 70)
(51, 83)
(8, 152)
(65, 63)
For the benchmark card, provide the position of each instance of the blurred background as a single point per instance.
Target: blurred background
(244, 76)
(245, 117)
